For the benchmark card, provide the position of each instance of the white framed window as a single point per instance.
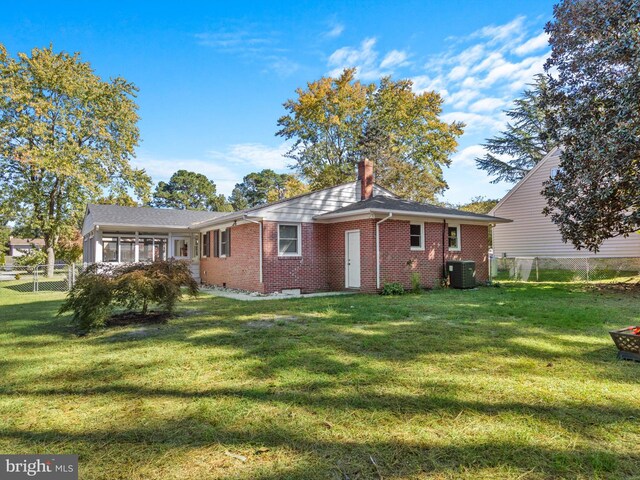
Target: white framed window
(289, 242)
(224, 243)
(416, 236)
(453, 237)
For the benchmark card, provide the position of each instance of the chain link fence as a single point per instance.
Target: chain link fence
(565, 269)
(34, 279)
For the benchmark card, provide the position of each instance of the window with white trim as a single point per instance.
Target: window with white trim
(416, 236)
(289, 239)
(453, 235)
(224, 243)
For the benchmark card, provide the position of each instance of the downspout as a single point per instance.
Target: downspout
(260, 243)
(378, 248)
(444, 262)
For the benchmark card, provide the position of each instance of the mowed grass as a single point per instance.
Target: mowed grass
(517, 382)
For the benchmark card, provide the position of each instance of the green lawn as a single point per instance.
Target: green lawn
(515, 382)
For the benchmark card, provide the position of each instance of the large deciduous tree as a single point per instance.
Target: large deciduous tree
(66, 137)
(592, 110)
(189, 191)
(335, 122)
(513, 152)
(258, 188)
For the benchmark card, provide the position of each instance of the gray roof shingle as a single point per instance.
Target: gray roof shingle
(148, 216)
(380, 202)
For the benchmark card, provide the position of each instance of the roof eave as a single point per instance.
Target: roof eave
(221, 220)
(373, 211)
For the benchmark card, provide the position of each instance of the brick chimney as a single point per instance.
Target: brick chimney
(365, 177)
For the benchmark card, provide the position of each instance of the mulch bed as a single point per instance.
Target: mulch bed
(630, 287)
(131, 318)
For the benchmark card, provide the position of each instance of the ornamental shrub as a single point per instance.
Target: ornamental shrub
(393, 288)
(91, 298)
(133, 287)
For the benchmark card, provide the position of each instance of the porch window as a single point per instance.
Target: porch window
(289, 240)
(180, 248)
(109, 249)
(145, 249)
(127, 249)
(454, 237)
(416, 236)
(150, 249)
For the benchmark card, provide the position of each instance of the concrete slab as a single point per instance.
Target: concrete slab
(252, 296)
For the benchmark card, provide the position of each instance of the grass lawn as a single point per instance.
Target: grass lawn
(515, 382)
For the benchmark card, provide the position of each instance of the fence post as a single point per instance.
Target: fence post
(537, 276)
(587, 260)
(35, 278)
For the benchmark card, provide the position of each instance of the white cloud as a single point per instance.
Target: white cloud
(461, 98)
(394, 58)
(364, 58)
(424, 83)
(162, 169)
(225, 167)
(255, 155)
(336, 31)
(488, 104)
(244, 40)
(474, 121)
(533, 44)
(252, 43)
(282, 66)
(501, 33)
(458, 72)
(467, 156)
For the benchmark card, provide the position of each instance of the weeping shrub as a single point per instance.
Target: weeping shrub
(134, 287)
(139, 285)
(91, 298)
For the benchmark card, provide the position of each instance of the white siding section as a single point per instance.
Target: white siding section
(532, 234)
(303, 209)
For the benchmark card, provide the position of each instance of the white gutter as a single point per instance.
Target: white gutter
(406, 213)
(378, 248)
(260, 242)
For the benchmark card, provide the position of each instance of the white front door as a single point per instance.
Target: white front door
(352, 259)
(180, 248)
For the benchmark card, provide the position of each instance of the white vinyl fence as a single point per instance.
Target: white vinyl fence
(565, 269)
(33, 279)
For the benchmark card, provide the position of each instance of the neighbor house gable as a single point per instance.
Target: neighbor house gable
(532, 234)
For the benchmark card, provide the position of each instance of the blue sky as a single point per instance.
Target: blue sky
(213, 75)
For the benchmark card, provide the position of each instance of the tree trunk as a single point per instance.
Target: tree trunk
(51, 260)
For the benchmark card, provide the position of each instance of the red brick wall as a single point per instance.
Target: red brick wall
(307, 272)
(399, 262)
(239, 270)
(336, 264)
(321, 266)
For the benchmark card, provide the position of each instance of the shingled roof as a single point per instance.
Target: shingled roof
(147, 216)
(383, 204)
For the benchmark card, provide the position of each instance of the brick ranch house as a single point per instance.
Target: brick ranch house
(353, 236)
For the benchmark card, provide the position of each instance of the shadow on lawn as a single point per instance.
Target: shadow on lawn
(344, 341)
(331, 453)
(354, 352)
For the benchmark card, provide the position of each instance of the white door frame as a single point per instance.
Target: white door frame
(346, 259)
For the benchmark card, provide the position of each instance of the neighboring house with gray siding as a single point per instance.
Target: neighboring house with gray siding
(532, 234)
